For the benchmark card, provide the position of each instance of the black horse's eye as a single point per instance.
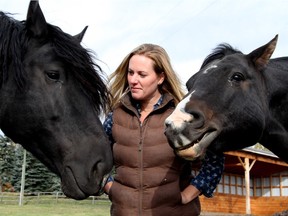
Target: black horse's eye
(54, 75)
(237, 77)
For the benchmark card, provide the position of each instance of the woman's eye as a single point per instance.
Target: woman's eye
(54, 75)
(130, 72)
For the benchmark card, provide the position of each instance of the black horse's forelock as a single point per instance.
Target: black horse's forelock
(14, 40)
(219, 52)
(82, 66)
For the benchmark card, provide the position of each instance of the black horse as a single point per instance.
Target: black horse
(51, 94)
(234, 101)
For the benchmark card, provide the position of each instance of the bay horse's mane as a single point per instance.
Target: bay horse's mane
(14, 41)
(219, 52)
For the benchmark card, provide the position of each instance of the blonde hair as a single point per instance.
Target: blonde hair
(172, 84)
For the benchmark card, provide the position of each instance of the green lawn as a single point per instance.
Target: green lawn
(100, 208)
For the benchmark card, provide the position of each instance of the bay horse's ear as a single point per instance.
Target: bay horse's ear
(261, 56)
(80, 36)
(35, 21)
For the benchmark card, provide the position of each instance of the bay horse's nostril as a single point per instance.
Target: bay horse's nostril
(198, 119)
(167, 122)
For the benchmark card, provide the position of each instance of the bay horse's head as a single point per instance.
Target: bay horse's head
(51, 94)
(225, 108)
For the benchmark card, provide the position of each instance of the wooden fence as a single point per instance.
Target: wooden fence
(46, 197)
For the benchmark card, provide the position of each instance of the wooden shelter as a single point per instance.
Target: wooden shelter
(255, 182)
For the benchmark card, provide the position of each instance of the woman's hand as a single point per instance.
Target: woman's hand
(189, 193)
(107, 187)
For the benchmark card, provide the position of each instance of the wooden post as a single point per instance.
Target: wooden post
(22, 179)
(247, 168)
(247, 185)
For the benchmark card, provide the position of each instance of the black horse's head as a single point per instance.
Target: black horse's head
(225, 108)
(51, 94)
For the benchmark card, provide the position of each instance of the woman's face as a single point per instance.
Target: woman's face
(142, 79)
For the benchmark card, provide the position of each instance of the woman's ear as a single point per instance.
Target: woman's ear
(161, 78)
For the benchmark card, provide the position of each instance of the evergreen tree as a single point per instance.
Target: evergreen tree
(7, 162)
(37, 178)
(260, 147)
(17, 169)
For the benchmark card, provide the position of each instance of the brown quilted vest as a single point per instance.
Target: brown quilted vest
(147, 180)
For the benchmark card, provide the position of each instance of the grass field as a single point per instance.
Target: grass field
(53, 205)
(100, 208)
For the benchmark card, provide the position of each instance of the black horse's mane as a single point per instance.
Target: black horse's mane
(14, 41)
(219, 52)
(12, 47)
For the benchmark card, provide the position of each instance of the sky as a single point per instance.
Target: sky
(187, 29)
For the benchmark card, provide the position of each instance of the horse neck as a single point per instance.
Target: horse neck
(276, 77)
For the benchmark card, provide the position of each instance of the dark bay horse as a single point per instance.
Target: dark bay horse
(51, 94)
(234, 101)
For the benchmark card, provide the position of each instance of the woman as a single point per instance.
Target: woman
(150, 179)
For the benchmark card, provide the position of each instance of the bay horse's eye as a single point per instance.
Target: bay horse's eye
(237, 77)
(54, 75)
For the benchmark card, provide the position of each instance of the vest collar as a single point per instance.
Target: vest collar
(131, 104)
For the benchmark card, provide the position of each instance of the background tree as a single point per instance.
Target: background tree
(37, 178)
(260, 147)
(7, 162)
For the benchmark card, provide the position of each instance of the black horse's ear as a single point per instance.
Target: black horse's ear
(35, 21)
(80, 36)
(261, 56)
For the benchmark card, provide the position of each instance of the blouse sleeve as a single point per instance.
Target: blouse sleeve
(209, 174)
(108, 123)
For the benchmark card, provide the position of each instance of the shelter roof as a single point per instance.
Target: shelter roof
(265, 165)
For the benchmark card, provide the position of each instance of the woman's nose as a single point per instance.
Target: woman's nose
(134, 79)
